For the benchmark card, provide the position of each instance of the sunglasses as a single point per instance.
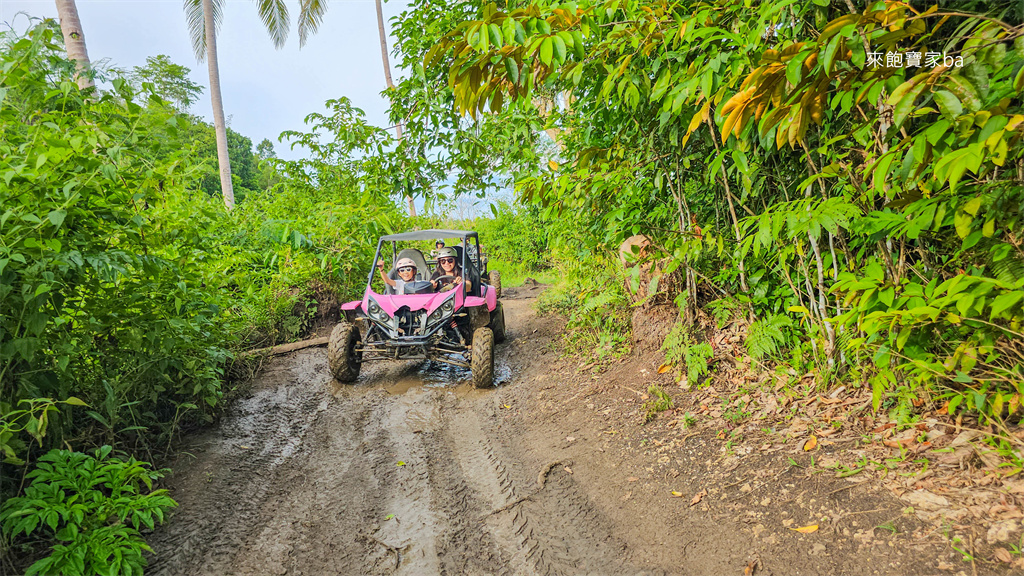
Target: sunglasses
(443, 260)
(406, 269)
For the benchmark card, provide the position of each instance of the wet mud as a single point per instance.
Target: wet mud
(408, 471)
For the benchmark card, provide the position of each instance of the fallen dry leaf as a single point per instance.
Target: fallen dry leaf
(1003, 555)
(665, 368)
(697, 497)
(677, 494)
(810, 444)
(806, 529)
(751, 567)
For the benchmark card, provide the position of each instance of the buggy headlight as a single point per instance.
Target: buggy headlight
(376, 312)
(442, 311)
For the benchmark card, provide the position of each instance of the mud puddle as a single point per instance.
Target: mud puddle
(435, 375)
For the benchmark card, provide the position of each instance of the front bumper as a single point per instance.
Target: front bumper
(434, 346)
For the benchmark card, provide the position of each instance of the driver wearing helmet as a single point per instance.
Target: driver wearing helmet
(447, 266)
(406, 273)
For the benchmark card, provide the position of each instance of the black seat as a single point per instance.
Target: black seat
(458, 253)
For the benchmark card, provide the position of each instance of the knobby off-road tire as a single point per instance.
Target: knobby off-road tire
(494, 279)
(482, 362)
(497, 324)
(341, 353)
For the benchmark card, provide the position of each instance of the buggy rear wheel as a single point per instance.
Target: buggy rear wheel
(342, 356)
(494, 279)
(497, 324)
(482, 362)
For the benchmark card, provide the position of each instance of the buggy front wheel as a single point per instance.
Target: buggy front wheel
(342, 356)
(482, 362)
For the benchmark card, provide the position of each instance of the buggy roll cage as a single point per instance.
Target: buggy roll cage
(472, 273)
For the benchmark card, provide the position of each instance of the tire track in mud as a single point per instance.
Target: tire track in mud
(303, 477)
(259, 432)
(552, 530)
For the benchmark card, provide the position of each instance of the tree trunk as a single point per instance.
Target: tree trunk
(220, 127)
(387, 78)
(74, 41)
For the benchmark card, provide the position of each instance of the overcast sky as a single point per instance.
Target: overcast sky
(266, 91)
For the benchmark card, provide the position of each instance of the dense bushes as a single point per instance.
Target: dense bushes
(770, 154)
(517, 239)
(124, 284)
(125, 288)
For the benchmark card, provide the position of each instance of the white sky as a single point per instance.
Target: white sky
(266, 91)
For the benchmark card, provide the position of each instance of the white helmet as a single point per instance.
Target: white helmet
(403, 262)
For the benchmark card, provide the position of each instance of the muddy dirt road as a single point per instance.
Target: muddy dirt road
(410, 471)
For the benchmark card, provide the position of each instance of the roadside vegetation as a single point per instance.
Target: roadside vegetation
(865, 218)
(126, 288)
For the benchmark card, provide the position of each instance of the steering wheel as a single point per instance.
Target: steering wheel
(446, 282)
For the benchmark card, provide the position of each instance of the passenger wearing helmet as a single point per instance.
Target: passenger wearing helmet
(438, 246)
(448, 266)
(406, 273)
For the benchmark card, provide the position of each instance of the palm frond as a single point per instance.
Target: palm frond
(311, 15)
(197, 26)
(274, 15)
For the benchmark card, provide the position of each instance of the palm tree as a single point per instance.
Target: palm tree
(204, 17)
(74, 41)
(387, 79)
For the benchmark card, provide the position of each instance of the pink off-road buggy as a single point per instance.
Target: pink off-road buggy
(441, 321)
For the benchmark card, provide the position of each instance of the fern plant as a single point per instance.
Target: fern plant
(723, 310)
(680, 349)
(766, 336)
(697, 356)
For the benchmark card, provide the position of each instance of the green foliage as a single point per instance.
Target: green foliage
(767, 336)
(724, 310)
(121, 285)
(517, 238)
(659, 402)
(33, 419)
(681, 350)
(92, 301)
(94, 505)
(598, 309)
(167, 79)
(777, 163)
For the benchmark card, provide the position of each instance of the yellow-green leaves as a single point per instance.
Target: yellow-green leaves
(949, 104)
(903, 97)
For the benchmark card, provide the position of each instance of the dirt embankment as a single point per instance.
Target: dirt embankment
(411, 471)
